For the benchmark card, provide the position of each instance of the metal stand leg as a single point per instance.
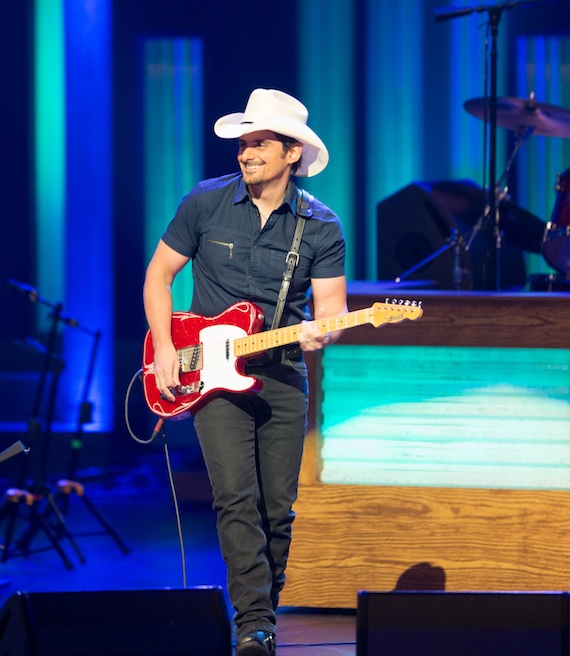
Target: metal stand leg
(67, 487)
(36, 522)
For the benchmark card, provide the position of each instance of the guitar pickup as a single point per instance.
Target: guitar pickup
(190, 358)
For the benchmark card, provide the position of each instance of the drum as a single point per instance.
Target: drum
(556, 241)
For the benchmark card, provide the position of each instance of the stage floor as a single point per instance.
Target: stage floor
(136, 502)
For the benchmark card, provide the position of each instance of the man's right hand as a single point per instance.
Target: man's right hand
(166, 370)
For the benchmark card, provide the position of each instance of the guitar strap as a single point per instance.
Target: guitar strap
(305, 203)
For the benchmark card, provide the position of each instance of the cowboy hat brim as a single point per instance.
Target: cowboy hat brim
(315, 154)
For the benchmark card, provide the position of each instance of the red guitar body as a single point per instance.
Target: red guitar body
(208, 366)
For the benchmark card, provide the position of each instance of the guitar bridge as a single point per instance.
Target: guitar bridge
(189, 389)
(183, 390)
(190, 359)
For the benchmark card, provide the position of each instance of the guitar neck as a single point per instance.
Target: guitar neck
(259, 342)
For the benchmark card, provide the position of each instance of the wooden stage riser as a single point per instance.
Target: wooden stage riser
(348, 538)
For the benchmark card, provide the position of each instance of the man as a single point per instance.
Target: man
(238, 230)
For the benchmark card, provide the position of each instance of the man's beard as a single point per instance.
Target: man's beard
(254, 178)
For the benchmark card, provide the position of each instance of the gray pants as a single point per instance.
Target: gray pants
(252, 446)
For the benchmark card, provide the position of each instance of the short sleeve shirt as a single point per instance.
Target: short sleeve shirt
(218, 227)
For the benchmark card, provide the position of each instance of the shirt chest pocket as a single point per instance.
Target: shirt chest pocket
(220, 254)
(225, 244)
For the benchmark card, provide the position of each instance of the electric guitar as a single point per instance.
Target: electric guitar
(213, 351)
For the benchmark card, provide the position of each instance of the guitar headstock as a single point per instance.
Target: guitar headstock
(395, 311)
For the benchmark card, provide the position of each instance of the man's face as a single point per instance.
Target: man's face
(262, 159)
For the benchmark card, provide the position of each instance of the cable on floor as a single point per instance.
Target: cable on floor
(160, 429)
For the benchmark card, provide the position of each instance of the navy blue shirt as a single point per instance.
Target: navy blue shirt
(218, 226)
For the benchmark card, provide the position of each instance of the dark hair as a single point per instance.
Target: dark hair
(288, 143)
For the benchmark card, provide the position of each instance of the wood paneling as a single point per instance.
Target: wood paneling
(348, 538)
(473, 319)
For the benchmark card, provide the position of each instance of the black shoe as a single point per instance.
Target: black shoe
(256, 643)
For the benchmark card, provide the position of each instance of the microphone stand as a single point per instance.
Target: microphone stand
(491, 270)
(35, 424)
(39, 489)
(70, 485)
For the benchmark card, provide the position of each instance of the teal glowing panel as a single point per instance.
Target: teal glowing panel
(543, 68)
(446, 417)
(173, 138)
(326, 77)
(394, 97)
(72, 129)
(469, 70)
(50, 144)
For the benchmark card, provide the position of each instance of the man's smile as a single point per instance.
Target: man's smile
(250, 166)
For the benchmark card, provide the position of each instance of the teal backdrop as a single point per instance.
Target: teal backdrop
(110, 114)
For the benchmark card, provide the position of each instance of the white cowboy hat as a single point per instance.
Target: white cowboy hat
(268, 109)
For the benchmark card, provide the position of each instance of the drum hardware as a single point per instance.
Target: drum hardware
(492, 110)
(527, 117)
(549, 282)
(465, 202)
(455, 239)
(500, 196)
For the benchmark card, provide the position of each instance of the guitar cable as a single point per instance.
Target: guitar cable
(159, 428)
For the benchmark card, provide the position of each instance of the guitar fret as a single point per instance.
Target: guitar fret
(259, 342)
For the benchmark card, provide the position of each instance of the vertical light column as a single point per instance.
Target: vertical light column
(89, 268)
(394, 100)
(467, 76)
(72, 121)
(543, 67)
(173, 138)
(49, 143)
(470, 42)
(326, 79)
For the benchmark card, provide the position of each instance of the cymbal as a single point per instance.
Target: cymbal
(521, 114)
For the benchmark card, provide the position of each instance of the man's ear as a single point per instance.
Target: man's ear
(294, 153)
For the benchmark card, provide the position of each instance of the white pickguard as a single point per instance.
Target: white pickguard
(219, 364)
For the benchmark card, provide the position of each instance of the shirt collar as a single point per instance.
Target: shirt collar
(290, 198)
